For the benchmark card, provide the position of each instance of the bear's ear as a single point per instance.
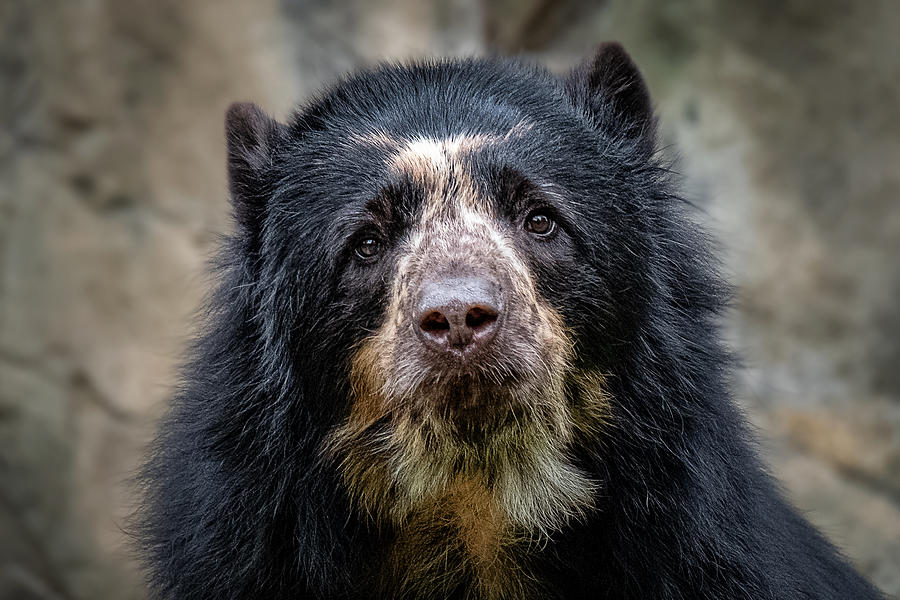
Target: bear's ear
(252, 138)
(609, 87)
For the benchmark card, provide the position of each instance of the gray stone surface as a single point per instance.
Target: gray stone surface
(112, 192)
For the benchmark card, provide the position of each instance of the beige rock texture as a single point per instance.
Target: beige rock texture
(782, 117)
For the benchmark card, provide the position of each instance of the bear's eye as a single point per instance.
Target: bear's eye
(540, 223)
(368, 248)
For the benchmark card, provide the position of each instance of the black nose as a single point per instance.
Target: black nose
(459, 314)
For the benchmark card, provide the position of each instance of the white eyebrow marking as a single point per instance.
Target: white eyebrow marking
(426, 155)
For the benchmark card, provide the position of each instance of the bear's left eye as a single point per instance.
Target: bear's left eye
(540, 223)
(368, 248)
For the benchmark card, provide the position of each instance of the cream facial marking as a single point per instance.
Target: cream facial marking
(381, 138)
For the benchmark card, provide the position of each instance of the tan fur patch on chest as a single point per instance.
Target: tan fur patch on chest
(479, 520)
(457, 543)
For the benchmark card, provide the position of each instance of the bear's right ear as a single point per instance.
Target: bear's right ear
(252, 136)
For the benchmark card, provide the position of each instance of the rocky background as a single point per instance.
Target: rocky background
(112, 192)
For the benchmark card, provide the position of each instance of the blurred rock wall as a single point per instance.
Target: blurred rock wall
(112, 192)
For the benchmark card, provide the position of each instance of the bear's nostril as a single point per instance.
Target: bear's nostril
(434, 322)
(480, 317)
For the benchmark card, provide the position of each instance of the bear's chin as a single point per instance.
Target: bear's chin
(398, 454)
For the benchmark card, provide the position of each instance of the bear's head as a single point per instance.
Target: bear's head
(447, 257)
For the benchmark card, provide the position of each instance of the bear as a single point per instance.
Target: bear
(465, 344)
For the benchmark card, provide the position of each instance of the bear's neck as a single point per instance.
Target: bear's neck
(458, 543)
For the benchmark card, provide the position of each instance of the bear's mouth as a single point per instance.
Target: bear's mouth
(474, 407)
(466, 401)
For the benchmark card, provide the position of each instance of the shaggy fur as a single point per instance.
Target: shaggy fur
(315, 449)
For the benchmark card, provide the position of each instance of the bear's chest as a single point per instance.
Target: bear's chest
(459, 544)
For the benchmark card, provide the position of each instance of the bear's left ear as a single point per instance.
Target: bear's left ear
(609, 88)
(252, 138)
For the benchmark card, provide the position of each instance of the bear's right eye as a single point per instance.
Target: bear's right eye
(368, 247)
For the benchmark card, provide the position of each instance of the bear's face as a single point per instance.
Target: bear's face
(464, 377)
(465, 336)
(445, 225)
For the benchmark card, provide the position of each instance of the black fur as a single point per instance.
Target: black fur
(241, 505)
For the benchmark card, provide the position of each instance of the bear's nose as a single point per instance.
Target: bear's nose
(459, 315)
